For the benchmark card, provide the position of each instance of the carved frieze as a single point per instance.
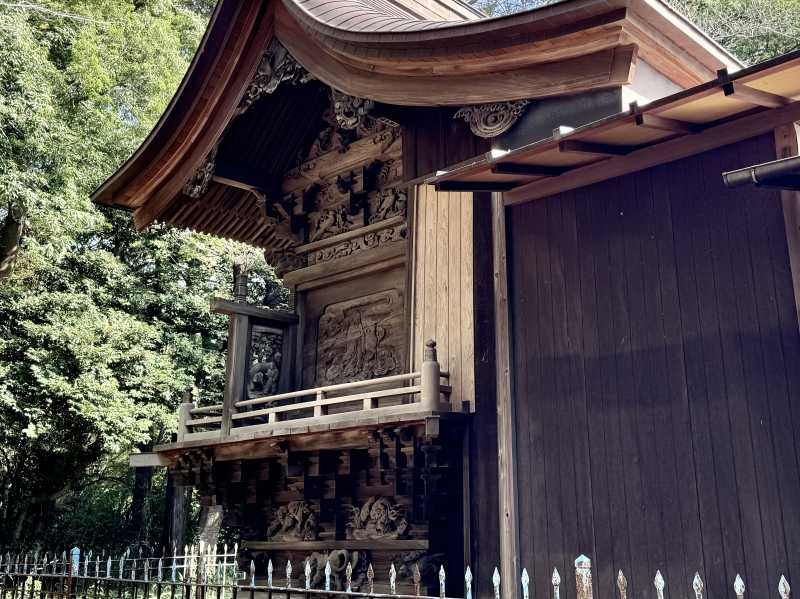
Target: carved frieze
(428, 564)
(265, 362)
(490, 120)
(378, 518)
(360, 338)
(201, 179)
(276, 66)
(359, 244)
(295, 521)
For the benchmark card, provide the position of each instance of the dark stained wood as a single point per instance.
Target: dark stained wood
(656, 364)
(484, 533)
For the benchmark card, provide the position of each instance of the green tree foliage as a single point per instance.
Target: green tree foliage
(102, 328)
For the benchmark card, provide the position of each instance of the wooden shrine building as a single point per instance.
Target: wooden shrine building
(529, 320)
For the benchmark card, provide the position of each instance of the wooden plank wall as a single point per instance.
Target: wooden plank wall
(442, 298)
(657, 380)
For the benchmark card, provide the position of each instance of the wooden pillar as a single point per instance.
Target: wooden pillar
(786, 145)
(175, 497)
(235, 369)
(509, 521)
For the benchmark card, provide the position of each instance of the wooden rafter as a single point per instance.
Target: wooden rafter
(531, 170)
(755, 96)
(653, 121)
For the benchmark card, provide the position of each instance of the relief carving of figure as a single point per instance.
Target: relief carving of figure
(265, 363)
(378, 518)
(294, 521)
(428, 564)
(330, 222)
(355, 338)
(338, 560)
(388, 203)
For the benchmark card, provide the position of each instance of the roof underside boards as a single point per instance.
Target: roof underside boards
(713, 114)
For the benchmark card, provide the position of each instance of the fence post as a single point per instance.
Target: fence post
(73, 570)
(430, 377)
(583, 577)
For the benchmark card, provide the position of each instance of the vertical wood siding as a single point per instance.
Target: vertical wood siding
(657, 380)
(442, 285)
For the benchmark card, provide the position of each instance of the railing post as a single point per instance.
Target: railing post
(184, 416)
(430, 377)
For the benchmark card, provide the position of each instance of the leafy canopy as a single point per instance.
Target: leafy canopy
(102, 328)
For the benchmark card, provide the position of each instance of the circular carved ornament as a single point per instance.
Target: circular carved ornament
(490, 120)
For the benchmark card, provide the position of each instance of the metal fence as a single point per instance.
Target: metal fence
(208, 572)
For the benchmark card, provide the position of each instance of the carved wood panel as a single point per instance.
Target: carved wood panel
(355, 329)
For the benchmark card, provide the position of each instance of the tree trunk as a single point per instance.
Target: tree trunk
(10, 238)
(140, 514)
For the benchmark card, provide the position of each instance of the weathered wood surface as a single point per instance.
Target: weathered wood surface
(442, 286)
(656, 362)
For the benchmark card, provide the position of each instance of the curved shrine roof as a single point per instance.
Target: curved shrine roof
(404, 53)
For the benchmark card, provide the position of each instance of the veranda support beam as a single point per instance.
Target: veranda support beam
(751, 95)
(584, 147)
(475, 185)
(531, 170)
(653, 121)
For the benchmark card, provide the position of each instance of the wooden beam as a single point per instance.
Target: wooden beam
(659, 153)
(147, 460)
(531, 170)
(475, 185)
(578, 146)
(751, 95)
(507, 465)
(223, 306)
(653, 121)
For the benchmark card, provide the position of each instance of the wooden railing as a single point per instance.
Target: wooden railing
(421, 391)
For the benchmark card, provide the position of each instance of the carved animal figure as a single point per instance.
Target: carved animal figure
(338, 560)
(294, 521)
(378, 518)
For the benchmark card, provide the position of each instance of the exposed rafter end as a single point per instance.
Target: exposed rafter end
(584, 147)
(475, 185)
(653, 121)
(754, 96)
(531, 170)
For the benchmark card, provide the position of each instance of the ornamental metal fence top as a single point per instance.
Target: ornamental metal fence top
(76, 575)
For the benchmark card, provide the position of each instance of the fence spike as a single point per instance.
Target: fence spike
(327, 575)
(147, 570)
(556, 581)
(133, 569)
(269, 573)
(349, 574)
(525, 580)
(97, 566)
(307, 572)
(371, 579)
(622, 585)
(253, 574)
(784, 590)
(108, 566)
(496, 583)
(583, 577)
(468, 583)
(86, 564)
(417, 577)
(697, 585)
(121, 566)
(160, 569)
(392, 580)
(174, 568)
(738, 587)
(442, 579)
(658, 582)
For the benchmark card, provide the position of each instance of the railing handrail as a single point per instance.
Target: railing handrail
(327, 401)
(329, 388)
